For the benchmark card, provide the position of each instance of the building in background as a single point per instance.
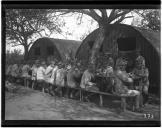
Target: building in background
(44, 48)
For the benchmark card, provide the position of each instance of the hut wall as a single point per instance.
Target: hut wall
(152, 60)
(44, 46)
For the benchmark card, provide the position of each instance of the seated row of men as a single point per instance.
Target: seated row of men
(56, 73)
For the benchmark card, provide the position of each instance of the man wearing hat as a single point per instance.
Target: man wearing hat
(123, 81)
(140, 75)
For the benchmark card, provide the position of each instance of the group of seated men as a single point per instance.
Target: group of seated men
(61, 75)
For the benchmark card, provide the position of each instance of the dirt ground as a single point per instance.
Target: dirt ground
(28, 104)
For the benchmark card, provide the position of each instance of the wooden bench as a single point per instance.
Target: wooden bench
(122, 97)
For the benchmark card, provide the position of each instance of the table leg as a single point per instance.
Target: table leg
(123, 103)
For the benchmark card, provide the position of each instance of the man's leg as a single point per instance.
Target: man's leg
(137, 95)
(145, 94)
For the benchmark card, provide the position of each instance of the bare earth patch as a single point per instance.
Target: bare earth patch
(28, 104)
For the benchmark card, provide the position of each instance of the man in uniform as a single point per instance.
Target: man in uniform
(123, 83)
(41, 75)
(140, 75)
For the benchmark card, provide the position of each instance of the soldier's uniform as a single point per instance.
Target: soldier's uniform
(122, 79)
(140, 75)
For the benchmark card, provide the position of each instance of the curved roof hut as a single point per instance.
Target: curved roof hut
(57, 48)
(147, 42)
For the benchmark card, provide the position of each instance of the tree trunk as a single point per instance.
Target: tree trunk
(25, 52)
(97, 44)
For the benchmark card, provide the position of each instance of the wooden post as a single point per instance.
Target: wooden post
(101, 100)
(123, 103)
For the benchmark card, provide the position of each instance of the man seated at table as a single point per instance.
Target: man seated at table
(140, 75)
(87, 78)
(123, 80)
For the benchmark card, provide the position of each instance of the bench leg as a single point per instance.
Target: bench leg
(101, 100)
(123, 103)
(80, 94)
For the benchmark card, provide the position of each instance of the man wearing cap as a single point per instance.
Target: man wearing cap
(140, 75)
(123, 81)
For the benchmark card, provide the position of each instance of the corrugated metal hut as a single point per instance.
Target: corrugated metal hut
(58, 48)
(147, 42)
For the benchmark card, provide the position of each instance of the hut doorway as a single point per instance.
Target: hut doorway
(127, 50)
(127, 44)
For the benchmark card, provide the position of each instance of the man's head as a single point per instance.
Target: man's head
(43, 63)
(121, 64)
(52, 63)
(111, 62)
(37, 63)
(140, 62)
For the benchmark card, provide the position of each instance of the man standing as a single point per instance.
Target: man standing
(140, 75)
(14, 72)
(48, 76)
(41, 75)
(34, 73)
(60, 78)
(73, 80)
(25, 75)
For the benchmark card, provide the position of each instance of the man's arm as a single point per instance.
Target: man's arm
(124, 77)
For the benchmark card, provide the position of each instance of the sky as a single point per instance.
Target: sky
(77, 30)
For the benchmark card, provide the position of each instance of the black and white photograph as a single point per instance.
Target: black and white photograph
(96, 64)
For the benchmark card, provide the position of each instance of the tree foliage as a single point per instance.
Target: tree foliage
(103, 18)
(23, 24)
(150, 19)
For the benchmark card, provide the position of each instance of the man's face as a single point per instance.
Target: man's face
(122, 67)
(52, 64)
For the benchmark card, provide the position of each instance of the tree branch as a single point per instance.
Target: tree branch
(94, 15)
(122, 18)
(114, 16)
(104, 13)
